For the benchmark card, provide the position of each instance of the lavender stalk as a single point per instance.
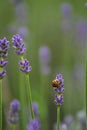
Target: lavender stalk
(4, 47)
(24, 66)
(58, 85)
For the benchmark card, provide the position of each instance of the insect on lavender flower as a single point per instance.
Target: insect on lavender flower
(58, 85)
(18, 44)
(24, 66)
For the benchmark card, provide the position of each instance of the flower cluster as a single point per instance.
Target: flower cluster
(24, 66)
(18, 44)
(13, 112)
(58, 85)
(34, 125)
(4, 47)
(20, 49)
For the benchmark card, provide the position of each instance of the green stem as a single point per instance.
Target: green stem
(29, 96)
(58, 117)
(0, 104)
(23, 118)
(86, 92)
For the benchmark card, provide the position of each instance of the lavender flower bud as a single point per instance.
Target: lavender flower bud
(16, 1)
(13, 112)
(2, 74)
(58, 100)
(68, 120)
(4, 47)
(45, 58)
(15, 106)
(35, 109)
(63, 127)
(81, 31)
(13, 118)
(18, 44)
(24, 66)
(66, 10)
(85, 5)
(34, 125)
(3, 63)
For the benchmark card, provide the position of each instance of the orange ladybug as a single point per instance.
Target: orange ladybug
(56, 83)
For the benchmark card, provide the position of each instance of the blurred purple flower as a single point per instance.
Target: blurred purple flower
(44, 58)
(21, 13)
(81, 117)
(33, 125)
(24, 66)
(23, 31)
(85, 5)
(81, 31)
(63, 127)
(66, 10)
(16, 1)
(14, 106)
(18, 44)
(68, 120)
(13, 112)
(35, 109)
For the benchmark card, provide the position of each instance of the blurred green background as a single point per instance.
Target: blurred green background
(46, 25)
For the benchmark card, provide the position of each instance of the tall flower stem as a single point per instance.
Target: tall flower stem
(58, 117)
(29, 95)
(86, 91)
(0, 104)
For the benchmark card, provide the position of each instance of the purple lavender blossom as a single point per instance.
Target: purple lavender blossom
(13, 118)
(44, 58)
(35, 109)
(58, 100)
(85, 5)
(81, 31)
(34, 125)
(13, 112)
(4, 47)
(24, 66)
(60, 79)
(15, 106)
(63, 127)
(68, 120)
(16, 1)
(23, 31)
(66, 10)
(3, 63)
(18, 44)
(58, 89)
(2, 74)
(21, 13)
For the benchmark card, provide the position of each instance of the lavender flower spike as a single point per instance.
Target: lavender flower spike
(34, 125)
(24, 66)
(18, 44)
(35, 108)
(4, 47)
(13, 112)
(58, 85)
